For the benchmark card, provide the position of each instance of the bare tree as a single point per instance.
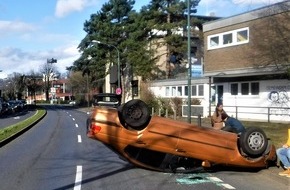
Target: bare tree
(49, 73)
(14, 87)
(33, 82)
(271, 38)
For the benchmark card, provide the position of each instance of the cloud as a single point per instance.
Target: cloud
(21, 61)
(15, 26)
(65, 7)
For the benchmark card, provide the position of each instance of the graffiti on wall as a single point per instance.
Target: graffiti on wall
(279, 99)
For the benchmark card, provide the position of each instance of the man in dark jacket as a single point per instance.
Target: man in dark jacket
(232, 124)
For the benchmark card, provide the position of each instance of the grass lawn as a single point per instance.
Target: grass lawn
(277, 132)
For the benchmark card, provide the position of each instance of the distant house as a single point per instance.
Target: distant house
(59, 91)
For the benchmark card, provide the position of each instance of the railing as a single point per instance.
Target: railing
(258, 113)
(267, 114)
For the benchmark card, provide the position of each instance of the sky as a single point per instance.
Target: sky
(32, 31)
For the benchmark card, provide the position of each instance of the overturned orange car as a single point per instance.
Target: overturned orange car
(163, 144)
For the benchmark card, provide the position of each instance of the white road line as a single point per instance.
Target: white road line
(77, 125)
(215, 179)
(73, 118)
(218, 180)
(79, 139)
(78, 181)
(228, 186)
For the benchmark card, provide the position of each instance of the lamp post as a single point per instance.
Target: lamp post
(118, 62)
(189, 64)
(49, 74)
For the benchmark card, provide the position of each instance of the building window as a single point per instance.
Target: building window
(197, 90)
(200, 90)
(255, 88)
(186, 90)
(193, 91)
(214, 41)
(242, 36)
(179, 91)
(173, 91)
(245, 89)
(234, 89)
(167, 91)
(229, 38)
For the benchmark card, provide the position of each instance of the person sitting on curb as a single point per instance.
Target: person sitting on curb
(283, 154)
(232, 124)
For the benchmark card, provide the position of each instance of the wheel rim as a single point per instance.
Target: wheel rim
(135, 112)
(256, 141)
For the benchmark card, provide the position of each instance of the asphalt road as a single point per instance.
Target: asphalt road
(56, 154)
(15, 118)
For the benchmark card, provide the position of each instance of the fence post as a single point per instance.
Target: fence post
(174, 112)
(166, 113)
(269, 114)
(199, 120)
(152, 111)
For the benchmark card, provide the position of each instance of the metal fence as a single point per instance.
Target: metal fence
(267, 114)
(259, 113)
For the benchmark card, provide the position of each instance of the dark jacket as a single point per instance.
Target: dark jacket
(234, 125)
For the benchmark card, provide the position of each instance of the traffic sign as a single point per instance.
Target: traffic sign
(118, 91)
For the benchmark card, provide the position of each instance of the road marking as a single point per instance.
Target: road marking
(77, 125)
(73, 118)
(79, 139)
(228, 186)
(215, 179)
(78, 181)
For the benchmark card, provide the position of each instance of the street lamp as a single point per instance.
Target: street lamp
(118, 52)
(189, 64)
(49, 74)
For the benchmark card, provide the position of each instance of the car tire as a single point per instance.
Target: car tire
(253, 141)
(135, 114)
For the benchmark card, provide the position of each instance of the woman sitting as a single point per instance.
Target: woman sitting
(216, 119)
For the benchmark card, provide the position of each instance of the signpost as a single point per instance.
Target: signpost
(118, 91)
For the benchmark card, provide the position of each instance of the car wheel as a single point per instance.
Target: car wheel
(135, 114)
(253, 141)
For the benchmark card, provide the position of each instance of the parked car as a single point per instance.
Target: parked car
(6, 109)
(165, 144)
(72, 102)
(107, 99)
(16, 105)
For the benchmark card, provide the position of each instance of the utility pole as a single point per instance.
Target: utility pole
(189, 64)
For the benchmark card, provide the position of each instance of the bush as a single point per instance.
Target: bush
(177, 105)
